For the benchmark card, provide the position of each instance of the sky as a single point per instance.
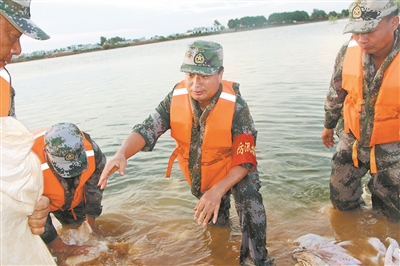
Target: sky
(73, 22)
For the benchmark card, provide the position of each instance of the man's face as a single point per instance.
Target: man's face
(202, 88)
(379, 41)
(9, 41)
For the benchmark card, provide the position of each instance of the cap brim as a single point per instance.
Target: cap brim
(26, 26)
(71, 168)
(201, 70)
(361, 26)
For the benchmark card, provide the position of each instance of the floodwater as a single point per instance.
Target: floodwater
(284, 75)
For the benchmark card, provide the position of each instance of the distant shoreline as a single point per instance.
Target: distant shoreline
(46, 56)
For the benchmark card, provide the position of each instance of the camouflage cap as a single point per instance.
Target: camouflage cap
(65, 149)
(365, 15)
(17, 12)
(203, 57)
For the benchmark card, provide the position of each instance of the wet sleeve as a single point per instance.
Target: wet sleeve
(336, 94)
(94, 194)
(50, 233)
(156, 124)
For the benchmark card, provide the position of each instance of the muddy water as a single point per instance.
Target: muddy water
(284, 75)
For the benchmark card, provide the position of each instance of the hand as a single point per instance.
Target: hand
(57, 246)
(208, 205)
(73, 250)
(327, 137)
(117, 162)
(131, 145)
(37, 220)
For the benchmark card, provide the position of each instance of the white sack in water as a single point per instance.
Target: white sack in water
(392, 257)
(21, 186)
(81, 237)
(315, 250)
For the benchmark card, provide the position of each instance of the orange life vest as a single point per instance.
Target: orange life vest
(386, 126)
(217, 143)
(5, 93)
(52, 187)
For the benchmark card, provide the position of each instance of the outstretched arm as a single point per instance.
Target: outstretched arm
(131, 145)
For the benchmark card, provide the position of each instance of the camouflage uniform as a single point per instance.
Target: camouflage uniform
(18, 14)
(12, 103)
(248, 201)
(345, 182)
(91, 202)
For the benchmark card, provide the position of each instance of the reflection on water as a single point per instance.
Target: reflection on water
(284, 75)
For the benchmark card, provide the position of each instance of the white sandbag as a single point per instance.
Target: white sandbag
(392, 253)
(83, 237)
(21, 186)
(317, 251)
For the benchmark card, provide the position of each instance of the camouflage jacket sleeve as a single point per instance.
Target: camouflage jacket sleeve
(156, 124)
(93, 192)
(50, 233)
(336, 94)
(242, 121)
(12, 103)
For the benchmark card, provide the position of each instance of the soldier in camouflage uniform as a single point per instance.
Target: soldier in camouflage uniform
(72, 164)
(204, 91)
(15, 21)
(365, 110)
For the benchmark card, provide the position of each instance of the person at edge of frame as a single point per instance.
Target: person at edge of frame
(15, 21)
(363, 103)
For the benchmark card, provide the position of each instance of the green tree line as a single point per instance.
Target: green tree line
(107, 43)
(285, 17)
(257, 21)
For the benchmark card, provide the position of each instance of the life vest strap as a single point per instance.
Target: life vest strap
(171, 162)
(73, 214)
(372, 162)
(354, 154)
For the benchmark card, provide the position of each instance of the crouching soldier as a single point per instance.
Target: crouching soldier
(71, 165)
